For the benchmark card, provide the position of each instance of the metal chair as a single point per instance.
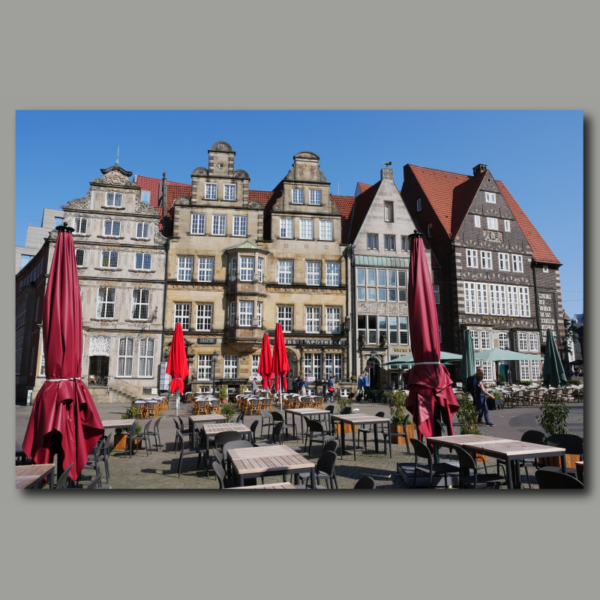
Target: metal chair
(278, 417)
(62, 482)
(325, 469)
(365, 483)
(573, 444)
(266, 420)
(441, 468)
(155, 433)
(200, 450)
(316, 432)
(556, 480)
(475, 481)
(533, 437)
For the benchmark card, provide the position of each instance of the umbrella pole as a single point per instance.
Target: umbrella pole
(177, 396)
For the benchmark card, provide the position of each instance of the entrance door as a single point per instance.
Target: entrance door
(373, 371)
(98, 372)
(503, 370)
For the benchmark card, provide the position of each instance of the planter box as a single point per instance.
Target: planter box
(555, 461)
(347, 428)
(121, 442)
(400, 429)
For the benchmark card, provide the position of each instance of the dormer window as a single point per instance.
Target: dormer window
(210, 191)
(315, 197)
(145, 197)
(490, 198)
(229, 192)
(114, 199)
(419, 205)
(388, 211)
(297, 196)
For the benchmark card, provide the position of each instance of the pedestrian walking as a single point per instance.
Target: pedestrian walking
(331, 387)
(254, 387)
(480, 395)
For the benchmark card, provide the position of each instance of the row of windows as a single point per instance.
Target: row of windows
(389, 242)
(112, 228)
(33, 275)
(140, 304)
(381, 285)
(210, 191)
(109, 259)
(314, 197)
(528, 370)
(286, 229)
(495, 299)
(504, 261)
(313, 363)
(145, 357)
(373, 326)
(218, 225)
(492, 223)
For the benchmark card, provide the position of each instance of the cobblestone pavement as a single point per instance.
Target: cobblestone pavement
(159, 470)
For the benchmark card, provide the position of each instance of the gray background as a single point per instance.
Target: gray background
(375, 55)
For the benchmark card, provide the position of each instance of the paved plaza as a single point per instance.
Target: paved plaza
(159, 470)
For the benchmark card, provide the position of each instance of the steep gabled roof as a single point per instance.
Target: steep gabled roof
(362, 203)
(541, 250)
(362, 187)
(262, 197)
(344, 204)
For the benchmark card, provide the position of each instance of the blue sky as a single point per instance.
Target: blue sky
(537, 154)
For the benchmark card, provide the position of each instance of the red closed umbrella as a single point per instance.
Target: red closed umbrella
(265, 363)
(281, 366)
(430, 386)
(177, 367)
(64, 419)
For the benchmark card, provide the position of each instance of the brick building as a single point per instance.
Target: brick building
(500, 279)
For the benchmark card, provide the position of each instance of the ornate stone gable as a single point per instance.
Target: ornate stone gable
(79, 203)
(142, 208)
(115, 176)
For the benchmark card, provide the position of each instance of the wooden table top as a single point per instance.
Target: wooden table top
(201, 418)
(267, 458)
(119, 423)
(360, 419)
(27, 475)
(307, 411)
(267, 486)
(513, 448)
(215, 428)
(461, 440)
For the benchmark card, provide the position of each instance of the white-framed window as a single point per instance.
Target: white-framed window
(492, 223)
(146, 358)
(389, 242)
(205, 269)
(333, 273)
(229, 191)
(218, 224)
(523, 342)
(298, 196)
(372, 241)
(313, 319)
(326, 230)
(110, 259)
(112, 228)
(334, 320)
(261, 269)
(498, 299)
(482, 298)
(239, 226)
(517, 263)
(286, 229)
(204, 367)
(232, 314)
(284, 271)
(535, 370)
(143, 261)
(472, 260)
(419, 205)
(475, 338)
(246, 314)
(204, 317)
(506, 225)
(315, 197)
(503, 342)
(470, 298)
(490, 198)
(184, 268)
(198, 225)
(306, 229)
(405, 244)
(486, 260)
(182, 316)
(487, 366)
(255, 362)
(403, 330)
(486, 340)
(313, 273)
(140, 304)
(430, 230)
(477, 220)
(142, 230)
(230, 367)
(284, 317)
(246, 268)
(545, 269)
(79, 256)
(312, 366)
(145, 197)
(328, 365)
(114, 199)
(524, 371)
(503, 261)
(436, 293)
(524, 302)
(210, 191)
(259, 314)
(512, 293)
(125, 358)
(80, 225)
(388, 212)
(106, 303)
(534, 342)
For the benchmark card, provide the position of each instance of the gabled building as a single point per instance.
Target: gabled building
(500, 279)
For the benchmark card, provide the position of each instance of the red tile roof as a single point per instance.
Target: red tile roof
(344, 204)
(363, 187)
(541, 250)
(362, 203)
(262, 197)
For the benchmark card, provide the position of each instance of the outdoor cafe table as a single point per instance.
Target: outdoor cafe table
(213, 429)
(305, 412)
(449, 441)
(512, 452)
(355, 420)
(28, 476)
(267, 461)
(286, 485)
(202, 419)
(122, 423)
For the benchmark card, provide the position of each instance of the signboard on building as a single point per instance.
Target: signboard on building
(547, 314)
(207, 340)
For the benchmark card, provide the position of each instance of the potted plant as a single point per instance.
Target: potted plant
(553, 416)
(228, 410)
(223, 393)
(243, 388)
(501, 378)
(342, 402)
(121, 439)
(398, 413)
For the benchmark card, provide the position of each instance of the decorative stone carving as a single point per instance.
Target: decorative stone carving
(322, 177)
(99, 346)
(241, 174)
(183, 201)
(141, 208)
(199, 172)
(366, 307)
(115, 176)
(387, 174)
(159, 238)
(403, 309)
(492, 236)
(222, 147)
(255, 204)
(78, 204)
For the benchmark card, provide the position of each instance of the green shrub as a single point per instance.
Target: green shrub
(574, 382)
(228, 410)
(397, 406)
(525, 382)
(554, 415)
(342, 402)
(467, 416)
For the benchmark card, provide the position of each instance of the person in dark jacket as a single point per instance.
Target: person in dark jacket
(480, 395)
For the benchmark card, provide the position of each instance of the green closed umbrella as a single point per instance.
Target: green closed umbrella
(554, 372)
(467, 364)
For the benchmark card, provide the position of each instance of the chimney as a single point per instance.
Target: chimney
(479, 169)
(387, 173)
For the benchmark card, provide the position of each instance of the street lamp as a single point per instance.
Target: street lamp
(214, 369)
